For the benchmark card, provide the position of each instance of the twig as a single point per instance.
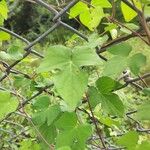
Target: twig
(95, 123)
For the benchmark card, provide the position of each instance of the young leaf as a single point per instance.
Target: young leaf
(128, 12)
(3, 9)
(90, 17)
(78, 9)
(96, 15)
(103, 3)
(71, 84)
(4, 36)
(85, 18)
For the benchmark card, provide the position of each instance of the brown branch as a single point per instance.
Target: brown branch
(133, 32)
(139, 78)
(95, 123)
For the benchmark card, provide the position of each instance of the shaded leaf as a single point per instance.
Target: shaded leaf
(106, 84)
(136, 62)
(67, 121)
(122, 49)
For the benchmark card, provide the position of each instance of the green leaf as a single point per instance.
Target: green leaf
(96, 16)
(106, 84)
(52, 113)
(8, 104)
(115, 66)
(42, 102)
(82, 133)
(78, 9)
(85, 18)
(95, 40)
(28, 144)
(71, 84)
(128, 12)
(4, 36)
(94, 97)
(103, 3)
(145, 145)
(90, 17)
(56, 58)
(59, 57)
(84, 56)
(74, 138)
(48, 132)
(67, 121)
(3, 9)
(143, 112)
(65, 138)
(136, 62)
(14, 52)
(48, 114)
(70, 77)
(129, 140)
(146, 91)
(1, 20)
(108, 121)
(111, 102)
(122, 49)
(64, 148)
(39, 118)
(110, 26)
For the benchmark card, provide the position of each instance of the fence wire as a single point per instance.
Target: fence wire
(9, 69)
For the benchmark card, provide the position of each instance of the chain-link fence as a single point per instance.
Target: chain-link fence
(9, 69)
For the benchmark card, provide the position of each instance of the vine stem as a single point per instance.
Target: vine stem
(95, 123)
